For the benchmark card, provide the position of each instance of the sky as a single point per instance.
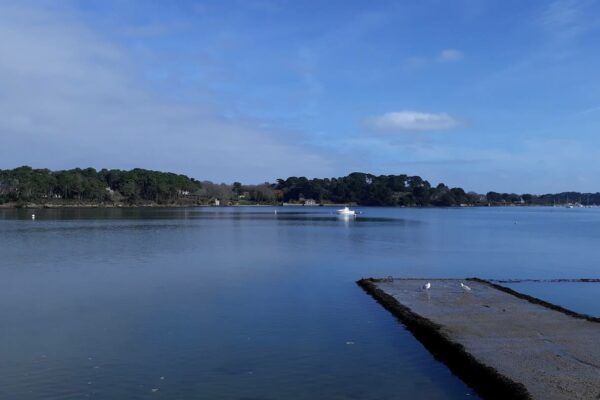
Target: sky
(486, 95)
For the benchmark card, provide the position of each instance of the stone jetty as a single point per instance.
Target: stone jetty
(504, 344)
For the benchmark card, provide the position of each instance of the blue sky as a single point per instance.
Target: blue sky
(486, 95)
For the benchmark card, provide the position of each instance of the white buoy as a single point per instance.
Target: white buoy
(33, 216)
(465, 287)
(427, 286)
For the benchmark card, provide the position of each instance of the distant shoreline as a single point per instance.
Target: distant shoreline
(97, 205)
(30, 206)
(25, 187)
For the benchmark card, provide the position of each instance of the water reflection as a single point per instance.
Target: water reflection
(245, 302)
(245, 213)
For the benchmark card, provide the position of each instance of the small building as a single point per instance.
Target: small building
(215, 202)
(310, 202)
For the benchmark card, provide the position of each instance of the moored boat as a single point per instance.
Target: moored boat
(346, 211)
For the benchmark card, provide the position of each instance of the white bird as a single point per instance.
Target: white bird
(465, 287)
(427, 286)
(32, 216)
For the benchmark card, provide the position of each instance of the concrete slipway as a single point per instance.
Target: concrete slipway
(504, 344)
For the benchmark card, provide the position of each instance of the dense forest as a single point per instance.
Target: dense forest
(371, 190)
(25, 185)
(403, 190)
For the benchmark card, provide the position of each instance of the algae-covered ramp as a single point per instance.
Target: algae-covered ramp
(504, 345)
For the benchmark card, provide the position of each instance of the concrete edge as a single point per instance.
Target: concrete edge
(537, 301)
(559, 280)
(485, 380)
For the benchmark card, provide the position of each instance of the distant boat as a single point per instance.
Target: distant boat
(346, 211)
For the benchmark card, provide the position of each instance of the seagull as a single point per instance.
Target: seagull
(427, 286)
(465, 287)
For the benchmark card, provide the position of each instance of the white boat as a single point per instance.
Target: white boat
(346, 211)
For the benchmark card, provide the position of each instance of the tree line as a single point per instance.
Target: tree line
(371, 190)
(403, 190)
(25, 184)
(139, 186)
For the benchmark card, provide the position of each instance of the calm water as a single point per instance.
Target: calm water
(578, 296)
(243, 303)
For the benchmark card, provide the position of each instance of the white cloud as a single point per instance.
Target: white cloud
(450, 55)
(413, 121)
(72, 98)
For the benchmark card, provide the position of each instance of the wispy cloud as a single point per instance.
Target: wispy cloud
(564, 18)
(444, 56)
(588, 110)
(413, 121)
(415, 63)
(450, 55)
(70, 97)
